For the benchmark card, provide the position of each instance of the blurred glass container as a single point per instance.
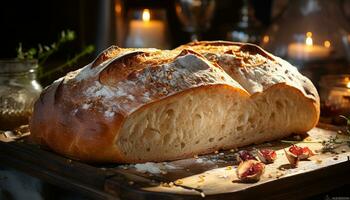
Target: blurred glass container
(335, 96)
(147, 28)
(248, 28)
(195, 16)
(313, 35)
(18, 91)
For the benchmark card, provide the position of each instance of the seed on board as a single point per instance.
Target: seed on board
(178, 182)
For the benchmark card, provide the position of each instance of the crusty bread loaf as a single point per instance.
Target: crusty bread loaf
(138, 105)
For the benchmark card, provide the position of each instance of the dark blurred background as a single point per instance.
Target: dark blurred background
(40, 21)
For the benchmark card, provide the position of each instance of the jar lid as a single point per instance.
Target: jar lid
(341, 80)
(17, 65)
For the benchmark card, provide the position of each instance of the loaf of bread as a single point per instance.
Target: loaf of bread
(138, 105)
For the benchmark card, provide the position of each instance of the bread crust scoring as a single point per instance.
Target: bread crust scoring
(81, 114)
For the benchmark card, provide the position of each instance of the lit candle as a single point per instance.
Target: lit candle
(309, 51)
(146, 32)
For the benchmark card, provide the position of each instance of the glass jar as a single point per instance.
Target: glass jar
(248, 28)
(18, 91)
(195, 16)
(335, 97)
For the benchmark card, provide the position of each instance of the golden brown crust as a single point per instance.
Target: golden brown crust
(81, 114)
(87, 108)
(248, 62)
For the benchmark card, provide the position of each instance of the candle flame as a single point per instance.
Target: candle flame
(309, 41)
(327, 44)
(348, 85)
(266, 39)
(309, 34)
(146, 16)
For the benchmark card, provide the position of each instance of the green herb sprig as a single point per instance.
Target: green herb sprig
(43, 52)
(87, 50)
(332, 142)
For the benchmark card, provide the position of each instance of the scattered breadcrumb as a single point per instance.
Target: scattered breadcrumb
(279, 174)
(167, 184)
(223, 176)
(178, 182)
(202, 194)
(201, 179)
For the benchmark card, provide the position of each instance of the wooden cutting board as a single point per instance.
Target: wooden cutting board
(211, 176)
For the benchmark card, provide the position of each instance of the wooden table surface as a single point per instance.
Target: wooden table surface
(210, 176)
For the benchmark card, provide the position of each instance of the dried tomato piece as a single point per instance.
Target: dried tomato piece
(301, 152)
(250, 170)
(267, 155)
(244, 155)
(292, 158)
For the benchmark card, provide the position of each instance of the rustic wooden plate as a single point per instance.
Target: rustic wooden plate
(211, 176)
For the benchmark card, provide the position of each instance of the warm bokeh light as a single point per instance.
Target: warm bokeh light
(118, 8)
(348, 85)
(309, 41)
(146, 16)
(266, 39)
(309, 34)
(327, 43)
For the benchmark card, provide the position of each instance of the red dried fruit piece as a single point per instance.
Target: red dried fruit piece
(244, 155)
(267, 155)
(301, 152)
(250, 170)
(292, 158)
